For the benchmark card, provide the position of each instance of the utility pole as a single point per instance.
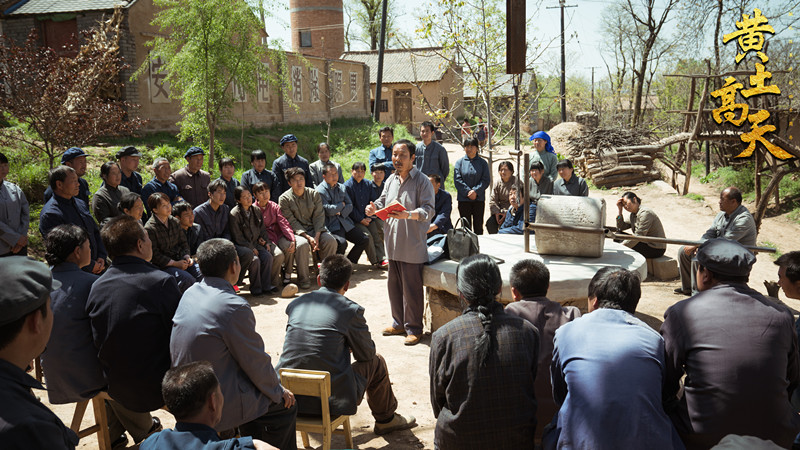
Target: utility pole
(593, 67)
(563, 92)
(376, 111)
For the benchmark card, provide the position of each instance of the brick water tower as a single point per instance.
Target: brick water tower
(317, 27)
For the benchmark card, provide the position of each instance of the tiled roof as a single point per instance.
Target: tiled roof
(403, 66)
(66, 6)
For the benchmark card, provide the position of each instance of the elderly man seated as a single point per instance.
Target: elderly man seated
(64, 207)
(214, 324)
(738, 350)
(338, 206)
(161, 183)
(325, 329)
(192, 394)
(130, 309)
(734, 222)
(70, 362)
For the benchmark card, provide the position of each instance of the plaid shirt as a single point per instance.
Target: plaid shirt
(169, 241)
(490, 406)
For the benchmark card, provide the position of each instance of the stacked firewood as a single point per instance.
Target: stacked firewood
(613, 157)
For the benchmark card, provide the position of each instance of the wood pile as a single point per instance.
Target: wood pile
(613, 157)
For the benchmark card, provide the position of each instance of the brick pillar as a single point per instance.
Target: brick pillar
(321, 22)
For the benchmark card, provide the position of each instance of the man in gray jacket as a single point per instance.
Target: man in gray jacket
(214, 324)
(734, 222)
(324, 329)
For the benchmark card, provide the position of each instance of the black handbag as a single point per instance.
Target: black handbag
(461, 241)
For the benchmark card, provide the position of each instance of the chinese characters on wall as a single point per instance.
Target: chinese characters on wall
(749, 37)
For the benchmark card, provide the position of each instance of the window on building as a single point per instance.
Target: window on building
(384, 105)
(305, 38)
(61, 37)
(445, 103)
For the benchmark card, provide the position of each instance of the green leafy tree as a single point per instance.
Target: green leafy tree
(207, 45)
(366, 16)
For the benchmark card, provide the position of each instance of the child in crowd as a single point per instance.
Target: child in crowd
(362, 191)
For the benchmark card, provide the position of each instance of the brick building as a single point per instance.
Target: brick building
(59, 23)
(412, 80)
(317, 27)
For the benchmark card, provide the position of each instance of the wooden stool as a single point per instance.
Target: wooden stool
(316, 383)
(101, 420)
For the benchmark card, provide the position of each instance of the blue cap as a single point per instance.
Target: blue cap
(725, 257)
(288, 138)
(71, 153)
(193, 151)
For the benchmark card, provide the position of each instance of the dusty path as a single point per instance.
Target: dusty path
(682, 218)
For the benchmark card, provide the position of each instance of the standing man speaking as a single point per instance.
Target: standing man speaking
(405, 239)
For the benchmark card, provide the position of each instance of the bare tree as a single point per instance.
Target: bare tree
(65, 101)
(649, 24)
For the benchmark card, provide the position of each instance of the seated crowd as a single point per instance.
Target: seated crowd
(141, 302)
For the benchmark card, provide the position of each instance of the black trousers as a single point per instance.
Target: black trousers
(491, 224)
(359, 239)
(649, 252)
(276, 427)
(473, 212)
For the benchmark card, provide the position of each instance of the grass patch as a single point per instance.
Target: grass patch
(695, 197)
(770, 244)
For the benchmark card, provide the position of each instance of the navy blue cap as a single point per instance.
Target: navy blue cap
(288, 138)
(128, 151)
(26, 286)
(193, 151)
(71, 153)
(725, 257)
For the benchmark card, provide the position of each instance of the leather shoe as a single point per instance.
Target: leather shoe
(412, 339)
(392, 331)
(398, 422)
(680, 291)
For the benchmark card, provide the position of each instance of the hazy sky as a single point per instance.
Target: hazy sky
(582, 31)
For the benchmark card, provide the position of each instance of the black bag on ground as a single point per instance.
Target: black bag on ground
(461, 241)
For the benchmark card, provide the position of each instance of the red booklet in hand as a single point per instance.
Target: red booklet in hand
(395, 206)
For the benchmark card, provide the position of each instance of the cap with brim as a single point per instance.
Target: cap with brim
(725, 257)
(288, 138)
(72, 153)
(128, 151)
(193, 151)
(26, 286)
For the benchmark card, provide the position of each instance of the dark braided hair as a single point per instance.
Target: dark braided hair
(479, 282)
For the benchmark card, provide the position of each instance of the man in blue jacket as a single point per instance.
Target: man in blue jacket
(338, 206)
(75, 158)
(382, 154)
(192, 394)
(64, 208)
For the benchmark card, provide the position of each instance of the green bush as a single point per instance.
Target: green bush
(28, 173)
(740, 176)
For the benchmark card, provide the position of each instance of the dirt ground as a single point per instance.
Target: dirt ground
(683, 218)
